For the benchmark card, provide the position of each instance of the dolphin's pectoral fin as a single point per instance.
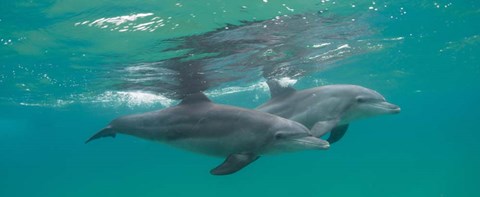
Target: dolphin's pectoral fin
(234, 163)
(337, 133)
(322, 127)
(107, 132)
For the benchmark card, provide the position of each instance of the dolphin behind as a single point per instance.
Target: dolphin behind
(237, 134)
(327, 108)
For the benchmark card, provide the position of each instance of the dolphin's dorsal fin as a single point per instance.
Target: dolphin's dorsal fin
(195, 98)
(276, 89)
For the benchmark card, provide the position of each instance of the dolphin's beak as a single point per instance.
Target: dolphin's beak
(313, 142)
(389, 108)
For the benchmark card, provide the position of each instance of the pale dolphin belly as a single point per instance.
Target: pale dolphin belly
(219, 147)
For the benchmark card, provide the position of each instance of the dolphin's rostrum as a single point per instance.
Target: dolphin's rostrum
(237, 134)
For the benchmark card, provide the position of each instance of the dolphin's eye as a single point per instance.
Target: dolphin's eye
(361, 100)
(280, 136)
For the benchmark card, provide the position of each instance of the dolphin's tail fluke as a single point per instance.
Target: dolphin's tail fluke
(107, 132)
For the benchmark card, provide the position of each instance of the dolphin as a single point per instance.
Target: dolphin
(326, 108)
(198, 125)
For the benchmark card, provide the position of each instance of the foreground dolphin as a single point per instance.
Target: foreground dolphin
(198, 125)
(326, 108)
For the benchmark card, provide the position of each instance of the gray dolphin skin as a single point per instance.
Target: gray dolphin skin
(237, 134)
(326, 108)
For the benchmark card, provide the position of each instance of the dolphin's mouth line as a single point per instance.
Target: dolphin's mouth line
(386, 106)
(306, 142)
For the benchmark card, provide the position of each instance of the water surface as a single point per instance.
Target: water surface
(68, 67)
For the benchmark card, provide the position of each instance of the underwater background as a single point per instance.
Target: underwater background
(69, 67)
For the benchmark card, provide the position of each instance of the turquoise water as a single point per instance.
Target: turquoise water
(69, 67)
